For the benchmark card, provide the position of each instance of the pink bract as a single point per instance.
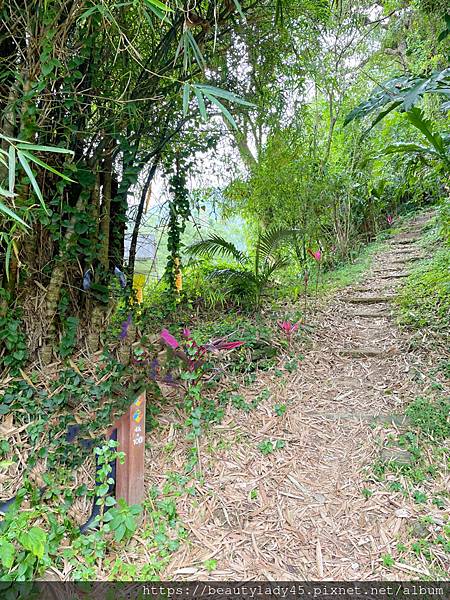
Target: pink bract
(168, 339)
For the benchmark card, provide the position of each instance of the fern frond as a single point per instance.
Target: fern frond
(217, 245)
(269, 240)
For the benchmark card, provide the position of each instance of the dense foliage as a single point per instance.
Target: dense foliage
(327, 122)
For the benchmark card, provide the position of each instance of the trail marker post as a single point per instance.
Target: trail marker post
(131, 440)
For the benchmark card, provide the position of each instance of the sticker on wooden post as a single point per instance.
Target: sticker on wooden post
(131, 439)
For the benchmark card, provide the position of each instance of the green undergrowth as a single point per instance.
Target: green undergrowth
(353, 271)
(424, 301)
(416, 476)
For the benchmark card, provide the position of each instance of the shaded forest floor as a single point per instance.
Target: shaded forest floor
(326, 478)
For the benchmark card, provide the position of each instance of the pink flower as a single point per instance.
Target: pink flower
(317, 255)
(390, 219)
(227, 345)
(168, 339)
(187, 333)
(287, 327)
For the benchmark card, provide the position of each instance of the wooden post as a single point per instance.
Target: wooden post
(131, 439)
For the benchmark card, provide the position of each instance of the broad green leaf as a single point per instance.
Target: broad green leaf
(186, 94)
(4, 209)
(119, 532)
(40, 162)
(34, 540)
(24, 146)
(11, 168)
(416, 117)
(7, 552)
(31, 177)
(383, 113)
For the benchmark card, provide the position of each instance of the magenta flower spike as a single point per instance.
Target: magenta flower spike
(228, 345)
(168, 339)
(287, 327)
(389, 219)
(317, 255)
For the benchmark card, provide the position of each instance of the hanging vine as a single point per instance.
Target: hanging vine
(179, 213)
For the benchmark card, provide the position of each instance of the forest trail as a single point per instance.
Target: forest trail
(299, 512)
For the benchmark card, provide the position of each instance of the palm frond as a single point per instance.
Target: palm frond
(276, 265)
(269, 240)
(217, 245)
(232, 274)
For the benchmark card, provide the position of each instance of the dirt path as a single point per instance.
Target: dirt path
(299, 512)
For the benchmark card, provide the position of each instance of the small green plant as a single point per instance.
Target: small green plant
(419, 497)
(267, 447)
(388, 560)
(121, 519)
(366, 493)
(210, 565)
(291, 365)
(431, 416)
(12, 336)
(279, 409)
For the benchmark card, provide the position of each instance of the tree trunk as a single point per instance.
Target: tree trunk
(140, 212)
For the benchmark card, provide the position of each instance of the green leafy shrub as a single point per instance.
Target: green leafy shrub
(250, 275)
(13, 340)
(431, 416)
(425, 299)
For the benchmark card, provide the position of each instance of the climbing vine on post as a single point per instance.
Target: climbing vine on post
(179, 213)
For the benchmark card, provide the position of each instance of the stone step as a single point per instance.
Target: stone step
(384, 315)
(368, 352)
(403, 241)
(394, 276)
(407, 260)
(369, 299)
(389, 419)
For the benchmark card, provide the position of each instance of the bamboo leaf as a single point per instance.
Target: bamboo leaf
(186, 94)
(7, 211)
(40, 162)
(25, 146)
(196, 50)
(11, 168)
(222, 109)
(218, 92)
(239, 8)
(201, 104)
(6, 193)
(160, 5)
(7, 259)
(32, 178)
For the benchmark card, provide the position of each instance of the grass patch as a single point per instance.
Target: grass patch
(424, 301)
(421, 483)
(350, 272)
